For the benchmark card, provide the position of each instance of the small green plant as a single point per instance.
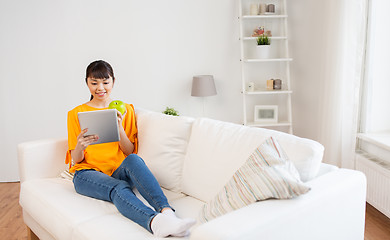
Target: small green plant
(171, 111)
(263, 40)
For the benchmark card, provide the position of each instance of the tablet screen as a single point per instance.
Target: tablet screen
(103, 123)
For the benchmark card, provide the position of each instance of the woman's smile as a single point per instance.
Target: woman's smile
(100, 94)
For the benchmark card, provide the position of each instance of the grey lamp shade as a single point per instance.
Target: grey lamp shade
(203, 86)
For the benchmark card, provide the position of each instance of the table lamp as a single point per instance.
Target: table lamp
(203, 86)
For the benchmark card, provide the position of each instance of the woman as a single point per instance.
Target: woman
(110, 171)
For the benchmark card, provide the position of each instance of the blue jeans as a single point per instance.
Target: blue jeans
(118, 189)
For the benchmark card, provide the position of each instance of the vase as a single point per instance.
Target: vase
(263, 51)
(254, 9)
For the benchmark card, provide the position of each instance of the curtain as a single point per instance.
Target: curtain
(344, 61)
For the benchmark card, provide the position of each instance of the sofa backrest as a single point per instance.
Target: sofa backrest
(217, 149)
(163, 141)
(199, 156)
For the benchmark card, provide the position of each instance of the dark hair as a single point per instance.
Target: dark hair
(99, 70)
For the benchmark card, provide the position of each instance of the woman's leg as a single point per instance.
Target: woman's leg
(101, 186)
(134, 171)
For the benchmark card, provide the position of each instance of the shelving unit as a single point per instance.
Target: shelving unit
(262, 16)
(263, 92)
(258, 71)
(268, 60)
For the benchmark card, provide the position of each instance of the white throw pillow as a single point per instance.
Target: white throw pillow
(163, 141)
(266, 174)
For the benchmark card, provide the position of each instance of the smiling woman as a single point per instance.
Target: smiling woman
(109, 171)
(100, 79)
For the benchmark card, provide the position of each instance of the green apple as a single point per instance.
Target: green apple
(118, 105)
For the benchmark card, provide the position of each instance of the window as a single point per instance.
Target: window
(374, 130)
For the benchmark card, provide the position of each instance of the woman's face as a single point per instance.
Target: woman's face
(100, 88)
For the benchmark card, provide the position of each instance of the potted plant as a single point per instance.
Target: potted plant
(171, 111)
(263, 46)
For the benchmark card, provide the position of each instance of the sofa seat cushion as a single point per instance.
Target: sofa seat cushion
(57, 207)
(122, 228)
(113, 226)
(188, 207)
(163, 141)
(217, 149)
(54, 203)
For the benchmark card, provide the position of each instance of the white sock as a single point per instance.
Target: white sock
(170, 212)
(164, 225)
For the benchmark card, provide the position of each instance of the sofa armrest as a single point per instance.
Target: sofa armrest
(42, 159)
(333, 209)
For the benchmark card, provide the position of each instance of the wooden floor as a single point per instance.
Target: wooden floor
(377, 225)
(13, 228)
(11, 220)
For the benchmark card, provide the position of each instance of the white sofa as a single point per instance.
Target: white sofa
(192, 159)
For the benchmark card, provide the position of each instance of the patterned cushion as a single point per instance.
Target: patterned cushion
(67, 175)
(266, 174)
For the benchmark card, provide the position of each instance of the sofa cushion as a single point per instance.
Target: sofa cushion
(163, 141)
(124, 229)
(114, 226)
(64, 209)
(267, 173)
(217, 149)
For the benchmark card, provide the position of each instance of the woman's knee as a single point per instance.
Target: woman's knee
(94, 184)
(134, 161)
(120, 189)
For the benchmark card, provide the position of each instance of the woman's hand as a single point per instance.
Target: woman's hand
(120, 117)
(125, 145)
(82, 143)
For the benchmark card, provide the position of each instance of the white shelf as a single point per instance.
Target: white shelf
(272, 38)
(260, 69)
(263, 16)
(263, 92)
(278, 124)
(268, 60)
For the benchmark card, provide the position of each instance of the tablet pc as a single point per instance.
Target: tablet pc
(103, 123)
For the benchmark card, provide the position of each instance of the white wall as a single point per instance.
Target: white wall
(155, 48)
(308, 23)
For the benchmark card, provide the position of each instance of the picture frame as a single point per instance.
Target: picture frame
(266, 114)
